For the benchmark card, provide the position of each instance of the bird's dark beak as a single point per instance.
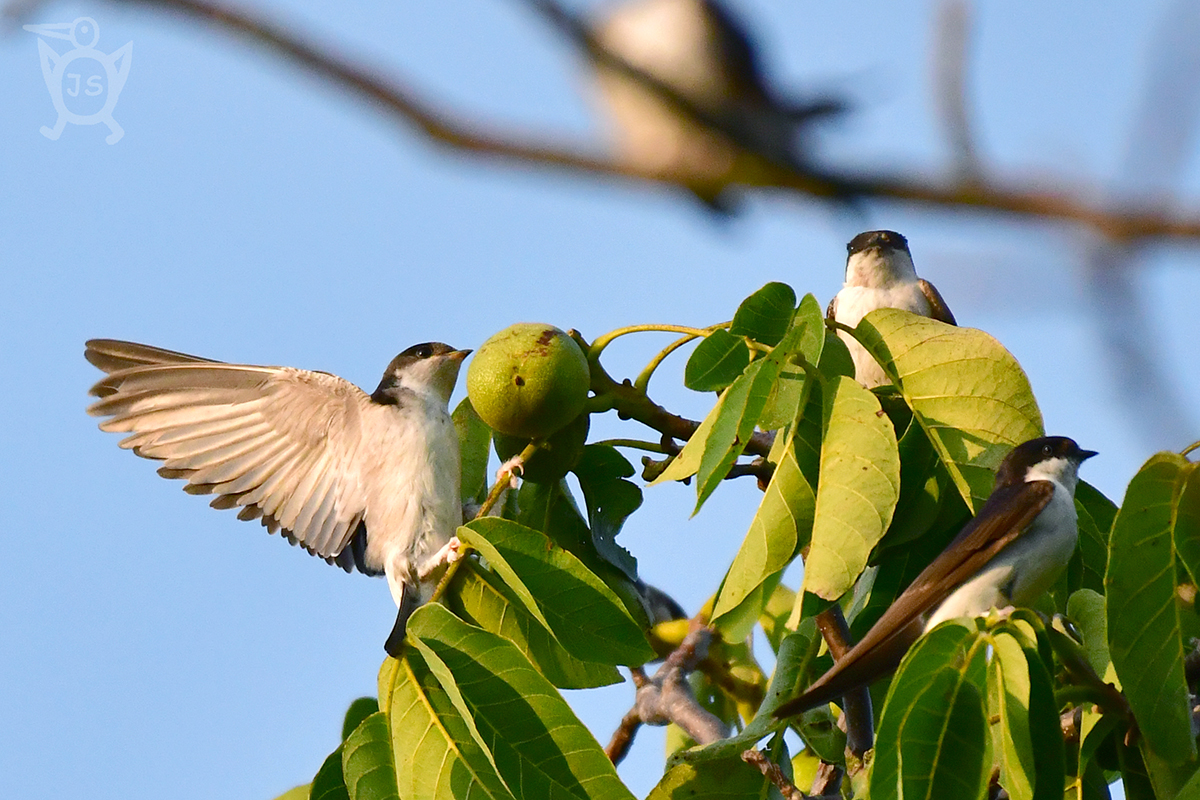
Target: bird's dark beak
(459, 355)
(1084, 455)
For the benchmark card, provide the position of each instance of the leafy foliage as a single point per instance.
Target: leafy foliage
(864, 488)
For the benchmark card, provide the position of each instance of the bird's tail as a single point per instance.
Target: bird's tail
(409, 603)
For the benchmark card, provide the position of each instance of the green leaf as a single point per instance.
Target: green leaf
(367, 761)
(1085, 608)
(359, 710)
(920, 487)
(716, 362)
(481, 598)
(859, 486)
(540, 748)
(766, 315)
(792, 668)
(1144, 636)
(296, 793)
(474, 442)
(610, 499)
(932, 739)
(329, 784)
(968, 392)
(730, 779)
(435, 754)
(789, 390)
(1186, 530)
(571, 601)
(551, 509)
(1102, 510)
(740, 407)
(1028, 729)
(782, 525)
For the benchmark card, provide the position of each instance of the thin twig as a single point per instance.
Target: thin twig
(756, 758)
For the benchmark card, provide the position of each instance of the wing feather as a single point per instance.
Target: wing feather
(276, 443)
(1006, 514)
(937, 306)
(112, 355)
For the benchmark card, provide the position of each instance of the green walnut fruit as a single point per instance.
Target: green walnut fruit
(555, 457)
(528, 380)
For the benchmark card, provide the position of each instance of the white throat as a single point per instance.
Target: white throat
(1062, 471)
(874, 268)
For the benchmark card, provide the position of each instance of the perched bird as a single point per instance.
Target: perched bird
(701, 52)
(1008, 555)
(880, 274)
(367, 482)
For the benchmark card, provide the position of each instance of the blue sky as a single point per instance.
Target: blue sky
(252, 213)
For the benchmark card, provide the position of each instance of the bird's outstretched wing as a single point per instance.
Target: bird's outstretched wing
(937, 306)
(110, 355)
(1006, 514)
(277, 442)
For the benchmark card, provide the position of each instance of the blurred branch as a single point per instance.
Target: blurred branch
(951, 55)
(1161, 138)
(396, 98)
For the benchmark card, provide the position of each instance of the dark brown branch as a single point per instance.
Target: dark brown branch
(1122, 222)
(622, 738)
(860, 721)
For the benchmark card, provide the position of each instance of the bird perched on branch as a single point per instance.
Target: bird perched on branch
(700, 52)
(367, 482)
(880, 274)
(1010, 554)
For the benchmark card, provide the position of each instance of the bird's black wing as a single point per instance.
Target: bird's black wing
(1005, 515)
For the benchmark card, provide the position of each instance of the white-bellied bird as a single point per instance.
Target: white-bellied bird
(365, 481)
(1009, 555)
(880, 274)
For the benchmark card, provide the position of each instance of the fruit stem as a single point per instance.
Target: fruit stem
(604, 341)
(633, 403)
(643, 379)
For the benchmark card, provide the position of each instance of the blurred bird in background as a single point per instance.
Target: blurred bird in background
(701, 52)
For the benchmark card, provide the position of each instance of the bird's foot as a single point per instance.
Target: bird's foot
(510, 470)
(448, 554)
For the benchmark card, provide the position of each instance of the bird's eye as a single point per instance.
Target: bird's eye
(1047, 450)
(424, 351)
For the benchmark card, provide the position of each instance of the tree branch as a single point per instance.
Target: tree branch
(860, 721)
(1128, 221)
(668, 698)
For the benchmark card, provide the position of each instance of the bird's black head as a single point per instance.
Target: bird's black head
(884, 240)
(1048, 457)
(422, 368)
